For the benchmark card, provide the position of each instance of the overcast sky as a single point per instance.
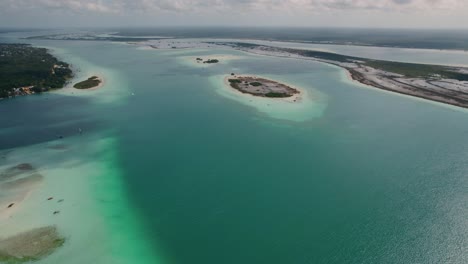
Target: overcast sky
(309, 13)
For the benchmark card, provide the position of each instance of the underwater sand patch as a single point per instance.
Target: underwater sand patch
(28, 182)
(15, 171)
(31, 245)
(16, 185)
(58, 147)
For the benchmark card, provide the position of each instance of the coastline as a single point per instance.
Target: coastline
(347, 77)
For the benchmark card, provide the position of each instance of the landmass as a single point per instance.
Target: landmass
(260, 86)
(94, 37)
(27, 70)
(91, 82)
(445, 84)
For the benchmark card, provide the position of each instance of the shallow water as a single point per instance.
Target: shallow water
(179, 173)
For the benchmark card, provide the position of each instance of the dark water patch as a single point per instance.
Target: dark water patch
(41, 118)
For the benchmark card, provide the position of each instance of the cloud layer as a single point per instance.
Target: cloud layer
(311, 13)
(151, 6)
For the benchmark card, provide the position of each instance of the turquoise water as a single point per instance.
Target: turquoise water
(196, 177)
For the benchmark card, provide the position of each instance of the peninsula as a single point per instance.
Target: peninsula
(445, 84)
(27, 70)
(260, 87)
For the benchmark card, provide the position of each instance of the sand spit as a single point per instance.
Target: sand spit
(31, 245)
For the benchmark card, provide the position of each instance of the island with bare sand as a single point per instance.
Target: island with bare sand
(444, 84)
(261, 87)
(91, 82)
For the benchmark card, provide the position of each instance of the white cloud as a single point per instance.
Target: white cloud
(109, 6)
(70, 5)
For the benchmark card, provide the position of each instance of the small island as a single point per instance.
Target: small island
(91, 82)
(261, 87)
(208, 61)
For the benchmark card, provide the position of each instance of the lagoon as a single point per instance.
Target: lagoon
(172, 169)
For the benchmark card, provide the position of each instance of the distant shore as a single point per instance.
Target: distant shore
(444, 84)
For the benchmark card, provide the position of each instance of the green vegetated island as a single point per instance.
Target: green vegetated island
(261, 87)
(91, 82)
(208, 61)
(26, 70)
(445, 84)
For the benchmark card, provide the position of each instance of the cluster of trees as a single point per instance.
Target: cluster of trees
(89, 83)
(211, 61)
(23, 65)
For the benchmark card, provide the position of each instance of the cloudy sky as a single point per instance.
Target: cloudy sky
(310, 13)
